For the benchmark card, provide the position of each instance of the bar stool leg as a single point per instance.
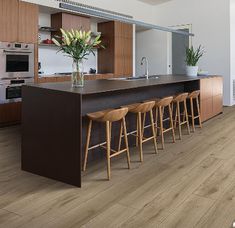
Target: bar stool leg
(153, 130)
(156, 120)
(140, 137)
(186, 115)
(179, 119)
(176, 115)
(192, 114)
(126, 142)
(199, 113)
(161, 127)
(108, 130)
(143, 124)
(87, 144)
(137, 131)
(171, 123)
(120, 137)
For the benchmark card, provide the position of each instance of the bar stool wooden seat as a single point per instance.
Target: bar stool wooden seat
(160, 105)
(141, 110)
(178, 100)
(194, 96)
(108, 117)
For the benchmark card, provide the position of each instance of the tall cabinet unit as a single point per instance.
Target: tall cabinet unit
(18, 23)
(117, 57)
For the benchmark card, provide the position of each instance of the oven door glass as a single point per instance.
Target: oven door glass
(17, 63)
(13, 92)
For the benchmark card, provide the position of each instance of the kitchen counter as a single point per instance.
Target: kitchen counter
(115, 84)
(54, 117)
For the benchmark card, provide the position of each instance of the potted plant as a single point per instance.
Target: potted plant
(192, 58)
(77, 44)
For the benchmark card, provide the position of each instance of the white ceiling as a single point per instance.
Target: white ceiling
(154, 2)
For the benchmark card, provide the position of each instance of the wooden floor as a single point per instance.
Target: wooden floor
(190, 184)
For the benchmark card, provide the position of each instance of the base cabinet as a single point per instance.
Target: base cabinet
(211, 98)
(10, 113)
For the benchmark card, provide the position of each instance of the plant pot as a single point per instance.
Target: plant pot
(77, 76)
(192, 70)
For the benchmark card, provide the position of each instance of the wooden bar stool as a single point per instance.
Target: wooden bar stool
(178, 100)
(160, 105)
(194, 96)
(108, 117)
(142, 109)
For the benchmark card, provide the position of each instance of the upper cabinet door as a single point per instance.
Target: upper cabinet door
(68, 21)
(28, 23)
(9, 20)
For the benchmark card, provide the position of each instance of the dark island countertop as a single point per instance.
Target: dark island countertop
(110, 85)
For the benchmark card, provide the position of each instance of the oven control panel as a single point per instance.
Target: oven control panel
(15, 46)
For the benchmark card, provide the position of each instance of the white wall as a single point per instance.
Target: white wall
(153, 45)
(232, 40)
(54, 62)
(211, 25)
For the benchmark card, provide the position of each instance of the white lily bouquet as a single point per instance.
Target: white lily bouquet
(77, 44)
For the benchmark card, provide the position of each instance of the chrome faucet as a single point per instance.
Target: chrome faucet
(145, 60)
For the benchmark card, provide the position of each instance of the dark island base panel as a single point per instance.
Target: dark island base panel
(54, 125)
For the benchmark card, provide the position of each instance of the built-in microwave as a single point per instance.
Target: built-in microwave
(16, 60)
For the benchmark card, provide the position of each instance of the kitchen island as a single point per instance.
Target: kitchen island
(54, 116)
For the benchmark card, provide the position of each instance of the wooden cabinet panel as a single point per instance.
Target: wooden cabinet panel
(28, 22)
(127, 56)
(123, 30)
(206, 109)
(211, 97)
(217, 86)
(217, 104)
(9, 20)
(206, 88)
(106, 56)
(69, 21)
(119, 57)
(10, 113)
(119, 54)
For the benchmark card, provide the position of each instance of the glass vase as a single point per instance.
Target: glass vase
(77, 74)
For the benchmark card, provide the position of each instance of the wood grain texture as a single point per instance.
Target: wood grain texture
(10, 113)
(117, 57)
(69, 21)
(211, 97)
(28, 23)
(190, 184)
(9, 20)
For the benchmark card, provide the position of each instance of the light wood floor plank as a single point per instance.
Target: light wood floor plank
(222, 213)
(157, 192)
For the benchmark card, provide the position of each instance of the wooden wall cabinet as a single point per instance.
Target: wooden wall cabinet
(117, 57)
(211, 97)
(69, 21)
(9, 20)
(28, 23)
(18, 21)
